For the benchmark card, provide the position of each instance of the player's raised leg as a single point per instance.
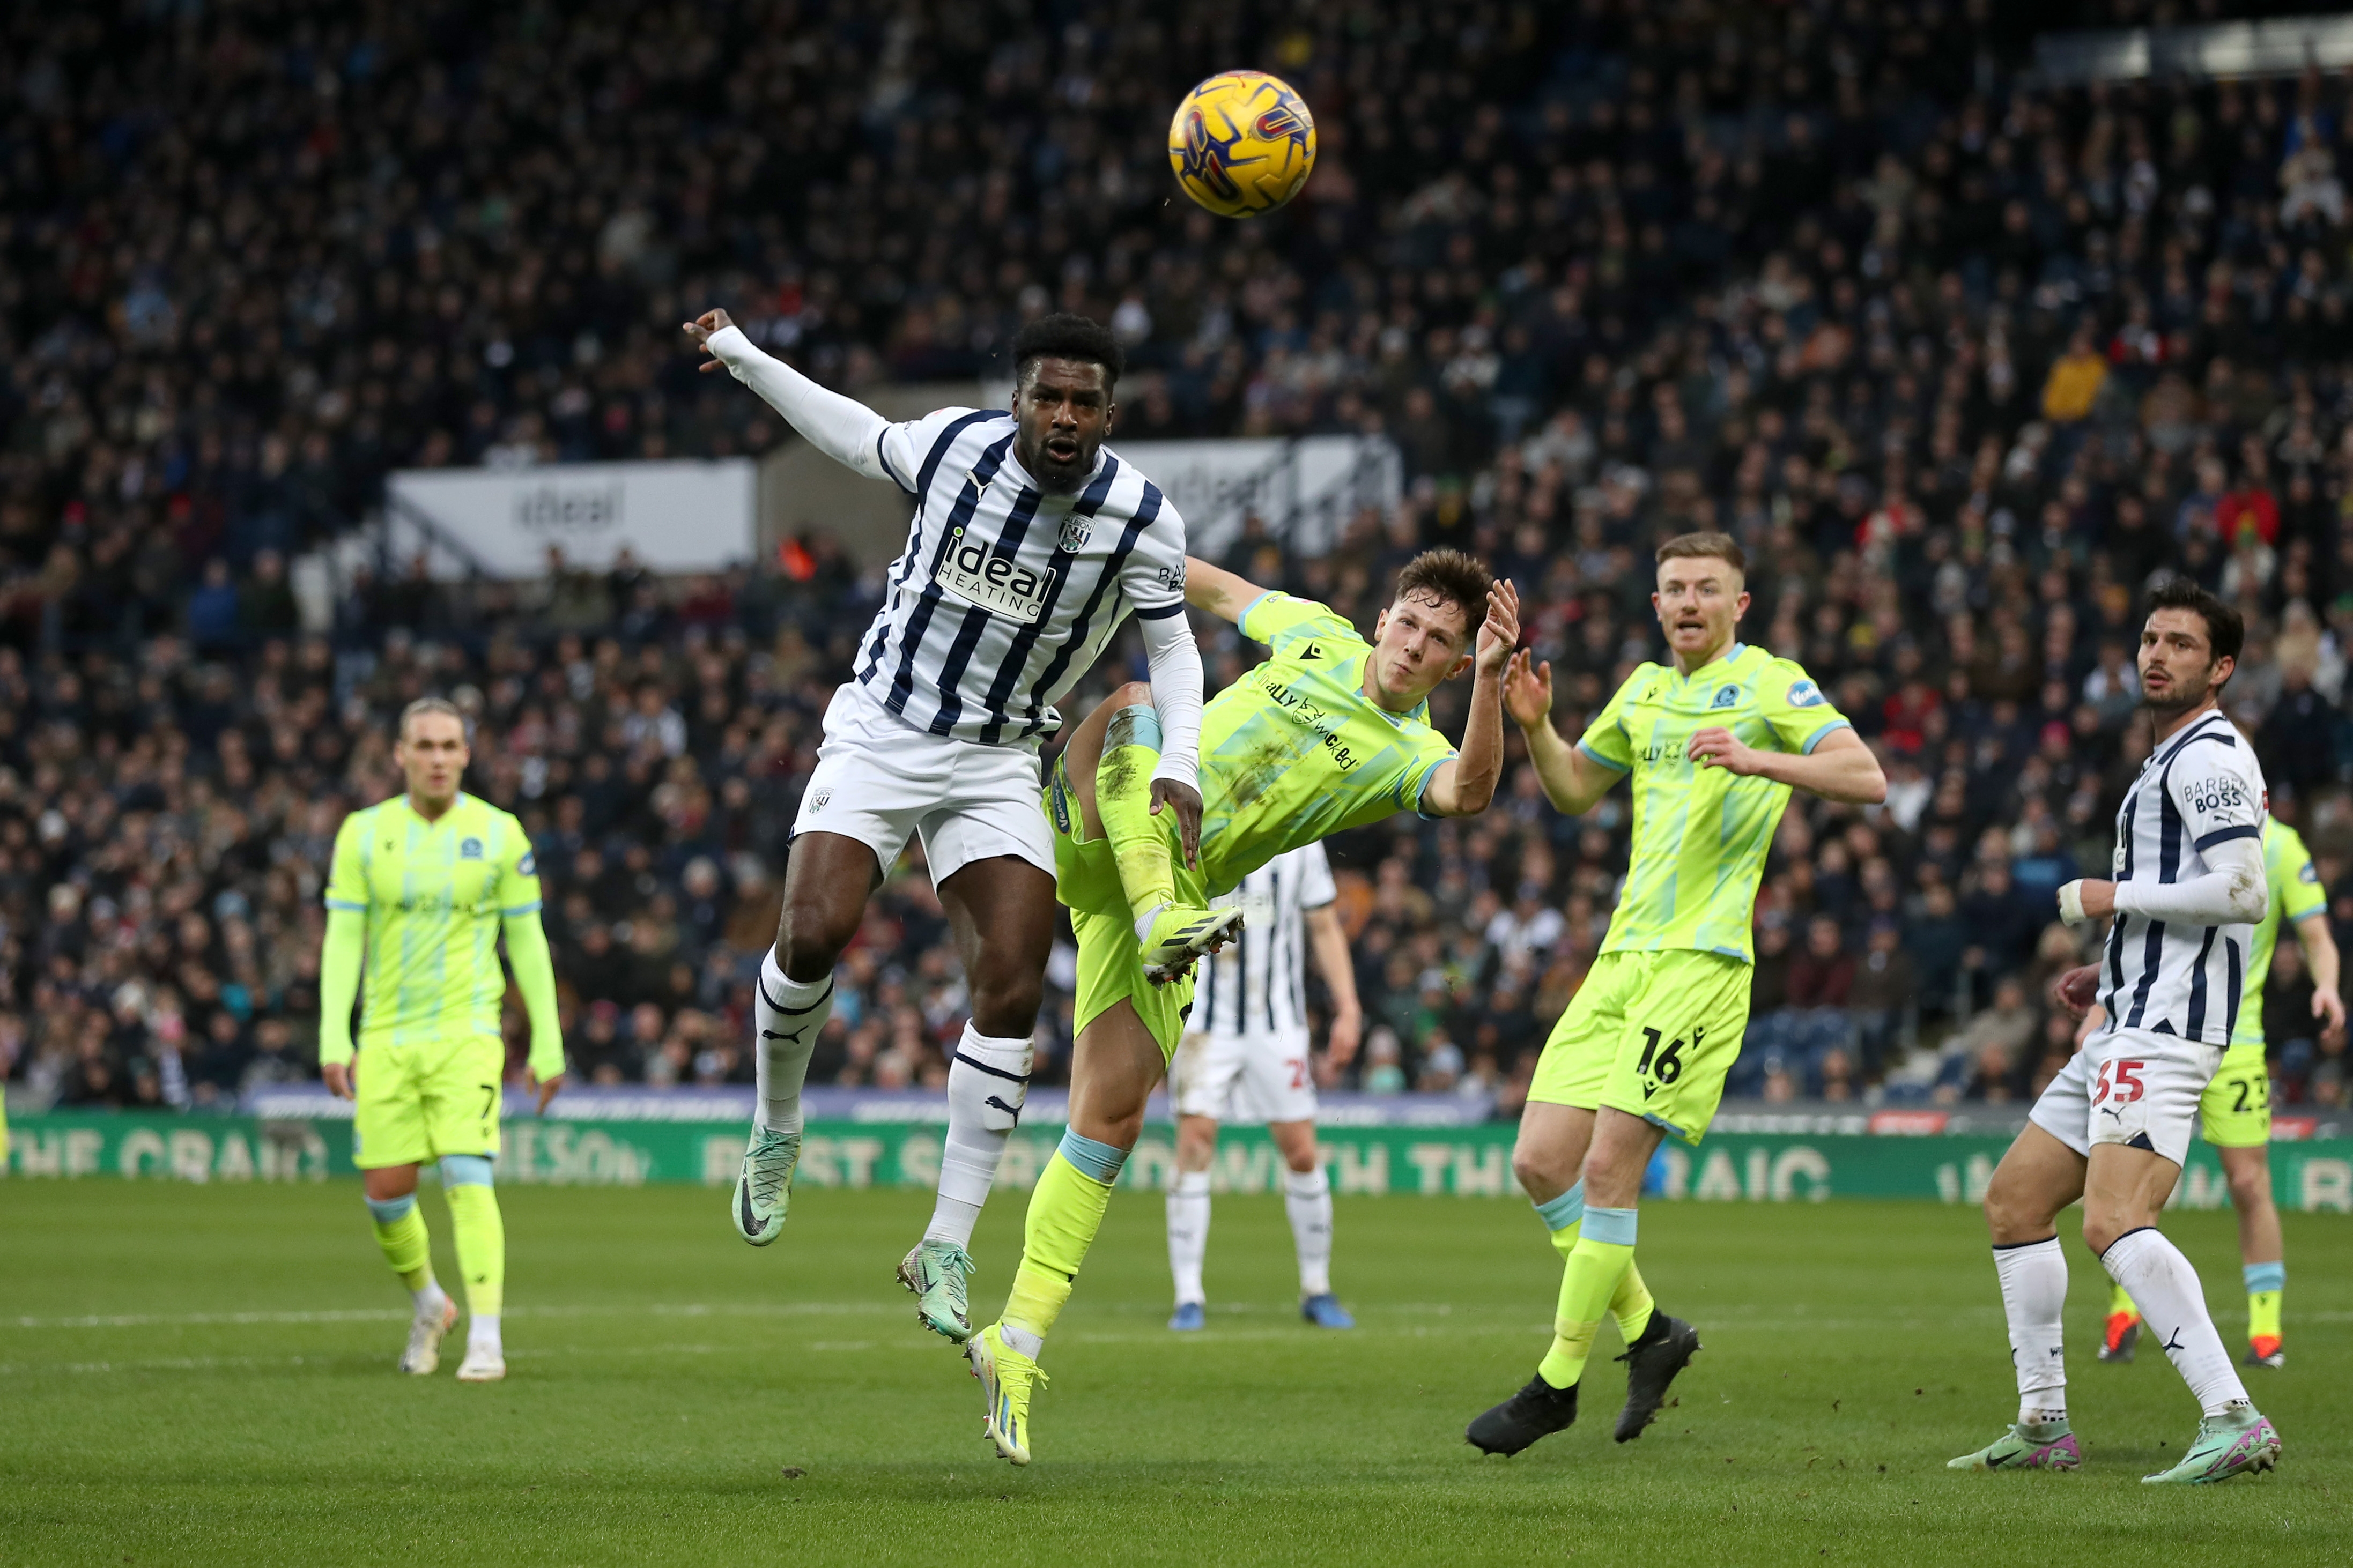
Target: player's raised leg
(1001, 910)
(1175, 935)
(2037, 1177)
(827, 881)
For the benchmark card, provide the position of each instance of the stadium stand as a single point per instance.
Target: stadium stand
(1965, 362)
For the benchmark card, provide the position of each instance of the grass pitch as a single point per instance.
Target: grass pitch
(190, 1375)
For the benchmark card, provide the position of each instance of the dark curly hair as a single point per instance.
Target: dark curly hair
(1065, 336)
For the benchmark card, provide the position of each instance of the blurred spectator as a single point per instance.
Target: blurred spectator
(1963, 360)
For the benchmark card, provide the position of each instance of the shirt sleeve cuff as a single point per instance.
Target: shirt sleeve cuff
(1592, 755)
(1821, 734)
(1241, 622)
(347, 905)
(1421, 788)
(2224, 835)
(519, 911)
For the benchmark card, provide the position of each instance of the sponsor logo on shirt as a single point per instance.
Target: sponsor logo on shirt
(1805, 694)
(1171, 577)
(2210, 796)
(976, 573)
(1315, 716)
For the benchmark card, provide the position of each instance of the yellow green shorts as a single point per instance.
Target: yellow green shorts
(1111, 961)
(417, 1103)
(1651, 1034)
(2235, 1111)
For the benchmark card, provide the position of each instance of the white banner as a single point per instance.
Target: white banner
(691, 516)
(1305, 489)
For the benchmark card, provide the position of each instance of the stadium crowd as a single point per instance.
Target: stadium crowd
(1964, 363)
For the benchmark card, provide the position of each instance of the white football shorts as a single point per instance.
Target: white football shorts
(879, 779)
(1244, 1080)
(2130, 1086)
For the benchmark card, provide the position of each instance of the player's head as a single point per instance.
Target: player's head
(1065, 370)
(431, 750)
(1702, 593)
(2189, 647)
(1425, 636)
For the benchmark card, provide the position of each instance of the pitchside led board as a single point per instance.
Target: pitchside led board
(688, 516)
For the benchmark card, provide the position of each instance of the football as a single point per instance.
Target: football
(1242, 144)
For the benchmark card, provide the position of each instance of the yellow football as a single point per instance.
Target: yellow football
(1242, 144)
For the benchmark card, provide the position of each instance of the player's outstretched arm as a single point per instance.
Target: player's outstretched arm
(1841, 768)
(1572, 781)
(1463, 787)
(841, 428)
(1223, 594)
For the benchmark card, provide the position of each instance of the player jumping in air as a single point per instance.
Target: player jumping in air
(2234, 1114)
(1714, 743)
(1031, 542)
(2113, 1126)
(1331, 732)
(1245, 1056)
(421, 886)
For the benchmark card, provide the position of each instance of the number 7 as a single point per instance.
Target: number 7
(489, 1099)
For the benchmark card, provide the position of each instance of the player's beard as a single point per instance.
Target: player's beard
(2181, 700)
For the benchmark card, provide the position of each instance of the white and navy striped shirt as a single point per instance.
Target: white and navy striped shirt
(1006, 593)
(1257, 984)
(2199, 789)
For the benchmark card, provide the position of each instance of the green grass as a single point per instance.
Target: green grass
(664, 1376)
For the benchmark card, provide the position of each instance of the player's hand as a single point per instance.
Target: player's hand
(2074, 990)
(702, 330)
(545, 1088)
(2328, 1003)
(1347, 1030)
(1527, 688)
(1186, 802)
(1500, 632)
(1718, 747)
(339, 1079)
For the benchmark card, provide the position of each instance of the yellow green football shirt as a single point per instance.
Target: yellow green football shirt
(434, 894)
(1701, 835)
(1295, 752)
(2296, 895)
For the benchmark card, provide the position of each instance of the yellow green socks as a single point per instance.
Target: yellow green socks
(1590, 1282)
(2267, 1284)
(1065, 1212)
(1147, 869)
(1631, 1304)
(481, 1234)
(407, 1247)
